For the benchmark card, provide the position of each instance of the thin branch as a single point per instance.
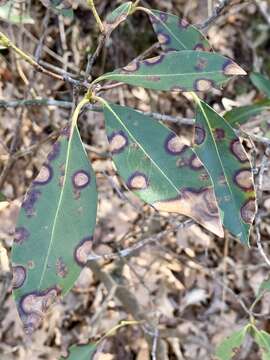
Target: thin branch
(140, 244)
(177, 120)
(92, 58)
(216, 13)
(95, 13)
(154, 347)
(5, 41)
(43, 102)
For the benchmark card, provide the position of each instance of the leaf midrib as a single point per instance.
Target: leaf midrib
(114, 74)
(57, 210)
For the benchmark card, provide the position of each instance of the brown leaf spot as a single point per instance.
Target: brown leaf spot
(199, 134)
(44, 176)
(231, 68)
(163, 38)
(200, 205)
(30, 201)
(34, 305)
(195, 163)
(21, 234)
(219, 134)
(154, 60)
(81, 179)
(203, 84)
(238, 150)
(19, 276)
(61, 267)
(83, 250)
(201, 64)
(55, 151)
(244, 179)
(118, 141)
(248, 211)
(200, 47)
(174, 145)
(138, 181)
(183, 24)
(132, 67)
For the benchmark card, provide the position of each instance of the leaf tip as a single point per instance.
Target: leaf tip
(231, 68)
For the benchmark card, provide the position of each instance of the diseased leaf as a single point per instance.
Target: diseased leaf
(159, 167)
(81, 352)
(178, 71)
(227, 349)
(175, 33)
(117, 16)
(54, 231)
(241, 115)
(15, 12)
(222, 153)
(262, 338)
(261, 82)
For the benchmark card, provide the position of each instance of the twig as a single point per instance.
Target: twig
(92, 58)
(95, 13)
(43, 102)
(154, 347)
(169, 118)
(5, 41)
(140, 244)
(216, 13)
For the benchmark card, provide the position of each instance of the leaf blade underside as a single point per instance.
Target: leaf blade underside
(54, 231)
(159, 168)
(223, 155)
(176, 34)
(186, 70)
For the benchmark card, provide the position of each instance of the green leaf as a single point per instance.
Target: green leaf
(117, 16)
(81, 352)
(262, 338)
(239, 116)
(54, 232)
(177, 34)
(159, 167)
(261, 82)
(177, 71)
(226, 350)
(15, 13)
(222, 153)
